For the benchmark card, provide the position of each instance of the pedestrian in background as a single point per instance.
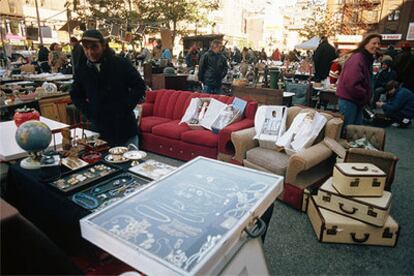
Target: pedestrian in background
(322, 59)
(276, 55)
(191, 59)
(77, 54)
(43, 59)
(157, 50)
(404, 65)
(213, 68)
(354, 84)
(56, 58)
(236, 55)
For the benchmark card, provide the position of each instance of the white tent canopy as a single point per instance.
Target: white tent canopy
(311, 44)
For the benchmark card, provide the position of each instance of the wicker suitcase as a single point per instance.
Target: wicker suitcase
(358, 179)
(371, 210)
(331, 227)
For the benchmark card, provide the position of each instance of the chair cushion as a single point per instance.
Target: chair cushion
(147, 123)
(170, 130)
(200, 137)
(271, 160)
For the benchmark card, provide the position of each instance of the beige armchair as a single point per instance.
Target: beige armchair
(301, 170)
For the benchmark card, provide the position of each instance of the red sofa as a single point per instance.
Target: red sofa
(161, 133)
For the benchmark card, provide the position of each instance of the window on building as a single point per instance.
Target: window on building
(394, 15)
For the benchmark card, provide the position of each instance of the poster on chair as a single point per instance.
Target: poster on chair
(270, 122)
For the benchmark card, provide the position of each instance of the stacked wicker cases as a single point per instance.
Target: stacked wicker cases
(352, 207)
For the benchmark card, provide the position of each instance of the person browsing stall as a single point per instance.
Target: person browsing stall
(354, 84)
(322, 59)
(381, 79)
(106, 90)
(213, 68)
(400, 105)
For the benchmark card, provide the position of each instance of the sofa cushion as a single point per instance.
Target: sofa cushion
(181, 105)
(200, 137)
(170, 130)
(271, 160)
(147, 123)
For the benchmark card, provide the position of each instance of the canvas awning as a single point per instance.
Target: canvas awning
(72, 24)
(311, 44)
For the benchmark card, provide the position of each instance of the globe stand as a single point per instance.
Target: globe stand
(32, 162)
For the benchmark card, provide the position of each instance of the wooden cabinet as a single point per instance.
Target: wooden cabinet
(175, 82)
(54, 108)
(264, 96)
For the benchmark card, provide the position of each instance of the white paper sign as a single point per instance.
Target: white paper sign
(410, 32)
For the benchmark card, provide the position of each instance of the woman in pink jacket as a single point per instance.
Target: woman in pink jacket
(354, 84)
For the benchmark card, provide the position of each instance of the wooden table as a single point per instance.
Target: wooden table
(327, 96)
(9, 150)
(175, 82)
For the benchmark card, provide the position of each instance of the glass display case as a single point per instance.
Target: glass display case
(188, 222)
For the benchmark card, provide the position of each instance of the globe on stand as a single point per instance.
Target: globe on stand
(33, 136)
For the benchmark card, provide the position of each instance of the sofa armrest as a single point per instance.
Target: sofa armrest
(306, 159)
(375, 135)
(224, 140)
(147, 109)
(243, 141)
(333, 128)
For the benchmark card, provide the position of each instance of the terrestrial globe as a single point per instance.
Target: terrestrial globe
(33, 136)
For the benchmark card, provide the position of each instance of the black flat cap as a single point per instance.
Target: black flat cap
(92, 35)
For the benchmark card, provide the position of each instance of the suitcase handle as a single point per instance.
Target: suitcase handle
(363, 169)
(341, 206)
(355, 239)
(258, 229)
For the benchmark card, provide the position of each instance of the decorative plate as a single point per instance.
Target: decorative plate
(135, 155)
(109, 158)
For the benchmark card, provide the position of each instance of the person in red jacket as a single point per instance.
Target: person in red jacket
(336, 67)
(335, 71)
(276, 55)
(354, 84)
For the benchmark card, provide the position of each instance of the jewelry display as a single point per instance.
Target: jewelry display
(83, 176)
(73, 163)
(152, 169)
(110, 190)
(181, 218)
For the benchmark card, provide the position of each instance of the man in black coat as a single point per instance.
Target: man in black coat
(213, 68)
(404, 65)
(77, 54)
(106, 90)
(322, 59)
(43, 59)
